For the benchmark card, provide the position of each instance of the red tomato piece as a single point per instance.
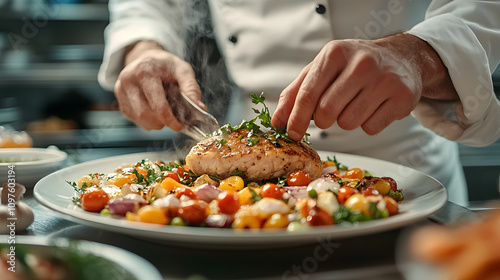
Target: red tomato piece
(171, 174)
(272, 190)
(370, 192)
(185, 191)
(94, 199)
(228, 202)
(193, 212)
(299, 178)
(344, 193)
(319, 217)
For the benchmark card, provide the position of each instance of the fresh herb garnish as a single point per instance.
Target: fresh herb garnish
(255, 197)
(254, 130)
(339, 165)
(79, 191)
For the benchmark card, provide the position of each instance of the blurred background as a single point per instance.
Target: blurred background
(50, 52)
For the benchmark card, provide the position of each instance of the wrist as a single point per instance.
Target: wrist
(135, 50)
(434, 76)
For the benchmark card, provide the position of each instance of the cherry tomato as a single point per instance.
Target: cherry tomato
(228, 202)
(370, 192)
(185, 191)
(319, 217)
(299, 178)
(394, 185)
(344, 193)
(183, 174)
(355, 173)
(193, 212)
(171, 174)
(272, 190)
(94, 199)
(391, 205)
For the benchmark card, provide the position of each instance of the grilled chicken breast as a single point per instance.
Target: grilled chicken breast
(220, 156)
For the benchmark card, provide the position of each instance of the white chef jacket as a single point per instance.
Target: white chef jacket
(265, 45)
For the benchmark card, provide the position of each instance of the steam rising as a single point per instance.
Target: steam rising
(196, 42)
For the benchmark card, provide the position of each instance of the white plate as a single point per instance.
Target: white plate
(423, 197)
(141, 269)
(30, 164)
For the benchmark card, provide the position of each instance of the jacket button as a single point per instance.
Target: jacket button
(320, 9)
(233, 39)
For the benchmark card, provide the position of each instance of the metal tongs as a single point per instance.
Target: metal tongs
(197, 123)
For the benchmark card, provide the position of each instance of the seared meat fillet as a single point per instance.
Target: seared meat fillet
(260, 161)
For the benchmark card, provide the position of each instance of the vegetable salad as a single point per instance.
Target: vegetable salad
(167, 193)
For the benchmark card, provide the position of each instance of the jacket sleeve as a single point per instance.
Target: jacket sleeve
(466, 35)
(132, 21)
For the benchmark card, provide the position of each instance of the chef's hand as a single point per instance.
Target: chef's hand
(140, 88)
(363, 83)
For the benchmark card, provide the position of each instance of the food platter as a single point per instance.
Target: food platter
(106, 259)
(424, 196)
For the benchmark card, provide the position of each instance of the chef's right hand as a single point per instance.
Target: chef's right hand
(140, 88)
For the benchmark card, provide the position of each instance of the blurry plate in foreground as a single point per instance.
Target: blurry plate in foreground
(82, 259)
(424, 196)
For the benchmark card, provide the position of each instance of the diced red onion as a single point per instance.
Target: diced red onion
(297, 192)
(128, 203)
(219, 221)
(207, 192)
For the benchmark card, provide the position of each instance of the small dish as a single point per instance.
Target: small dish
(29, 165)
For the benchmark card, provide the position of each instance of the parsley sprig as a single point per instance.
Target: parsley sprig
(254, 130)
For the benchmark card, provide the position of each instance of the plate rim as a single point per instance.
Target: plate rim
(176, 234)
(59, 156)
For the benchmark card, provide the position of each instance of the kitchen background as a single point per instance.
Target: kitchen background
(50, 52)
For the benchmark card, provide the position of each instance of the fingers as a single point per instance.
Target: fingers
(287, 100)
(318, 77)
(186, 79)
(133, 105)
(140, 89)
(154, 93)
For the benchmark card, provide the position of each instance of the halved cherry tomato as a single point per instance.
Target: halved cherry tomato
(319, 217)
(272, 190)
(344, 193)
(355, 173)
(370, 192)
(183, 174)
(299, 178)
(394, 185)
(391, 205)
(228, 202)
(171, 174)
(185, 191)
(94, 199)
(194, 212)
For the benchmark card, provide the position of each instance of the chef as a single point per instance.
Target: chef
(362, 77)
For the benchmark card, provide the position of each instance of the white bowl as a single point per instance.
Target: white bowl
(29, 164)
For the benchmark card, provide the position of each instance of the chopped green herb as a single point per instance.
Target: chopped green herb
(339, 166)
(238, 172)
(255, 197)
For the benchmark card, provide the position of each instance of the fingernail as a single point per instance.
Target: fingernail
(294, 135)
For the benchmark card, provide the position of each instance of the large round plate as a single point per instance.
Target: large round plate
(423, 197)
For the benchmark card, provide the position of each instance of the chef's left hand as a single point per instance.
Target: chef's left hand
(356, 83)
